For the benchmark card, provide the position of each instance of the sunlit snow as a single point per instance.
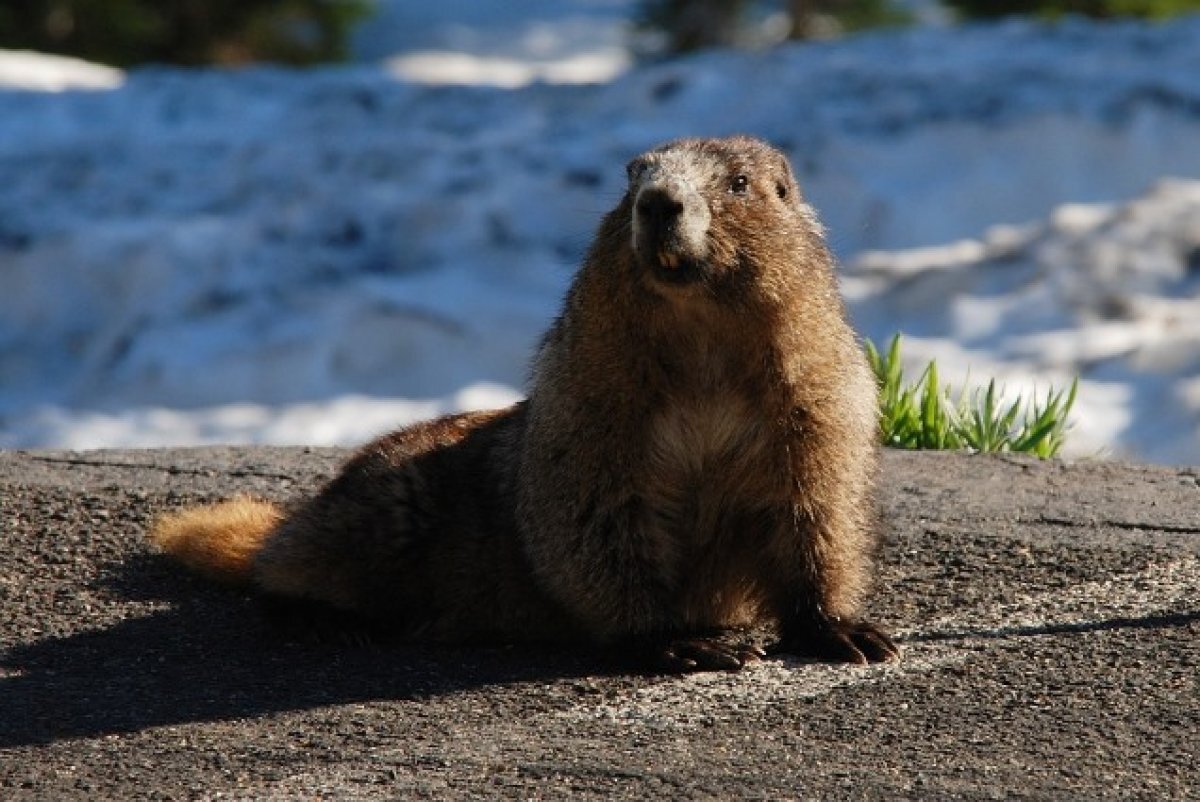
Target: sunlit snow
(270, 255)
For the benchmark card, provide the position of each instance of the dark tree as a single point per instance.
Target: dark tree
(128, 32)
(1153, 9)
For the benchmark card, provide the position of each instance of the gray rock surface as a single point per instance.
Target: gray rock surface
(1049, 612)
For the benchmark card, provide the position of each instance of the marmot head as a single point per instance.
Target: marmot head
(725, 214)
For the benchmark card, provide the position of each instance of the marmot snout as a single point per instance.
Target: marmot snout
(670, 224)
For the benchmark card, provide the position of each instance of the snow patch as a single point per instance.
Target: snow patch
(41, 72)
(317, 243)
(1107, 292)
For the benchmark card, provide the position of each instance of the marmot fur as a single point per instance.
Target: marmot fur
(696, 454)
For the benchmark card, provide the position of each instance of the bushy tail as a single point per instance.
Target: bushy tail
(218, 540)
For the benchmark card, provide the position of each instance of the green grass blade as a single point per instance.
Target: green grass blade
(926, 414)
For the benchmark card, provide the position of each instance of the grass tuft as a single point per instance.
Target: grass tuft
(926, 414)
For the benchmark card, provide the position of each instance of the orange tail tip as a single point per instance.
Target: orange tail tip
(218, 540)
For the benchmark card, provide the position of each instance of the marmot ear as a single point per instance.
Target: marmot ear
(785, 181)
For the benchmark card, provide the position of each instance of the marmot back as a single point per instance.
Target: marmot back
(696, 453)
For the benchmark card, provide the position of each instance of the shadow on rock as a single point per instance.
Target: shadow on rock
(216, 656)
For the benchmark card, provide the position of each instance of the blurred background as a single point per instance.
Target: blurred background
(311, 221)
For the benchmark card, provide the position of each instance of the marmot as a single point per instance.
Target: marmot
(696, 454)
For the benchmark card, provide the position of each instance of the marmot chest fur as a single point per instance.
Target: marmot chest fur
(696, 453)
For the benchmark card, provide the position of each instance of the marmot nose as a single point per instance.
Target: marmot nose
(658, 208)
(670, 223)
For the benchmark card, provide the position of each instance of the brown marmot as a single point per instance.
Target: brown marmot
(696, 454)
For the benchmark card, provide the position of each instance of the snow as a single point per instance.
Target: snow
(464, 42)
(270, 255)
(1108, 292)
(45, 73)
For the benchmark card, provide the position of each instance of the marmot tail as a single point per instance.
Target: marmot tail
(218, 540)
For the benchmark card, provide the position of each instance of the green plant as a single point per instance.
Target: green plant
(693, 24)
(926, 414)
(816, 18)
(190, 32)
(697, 24)
(1151, 9)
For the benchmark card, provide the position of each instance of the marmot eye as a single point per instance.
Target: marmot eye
(739, 184)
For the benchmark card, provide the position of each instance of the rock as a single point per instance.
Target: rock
(1049, 612)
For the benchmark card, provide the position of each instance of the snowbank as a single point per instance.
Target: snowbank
(192, 240)
(45, 73)
(1107, 292)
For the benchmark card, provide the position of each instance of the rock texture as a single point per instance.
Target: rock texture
(1049, 612)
